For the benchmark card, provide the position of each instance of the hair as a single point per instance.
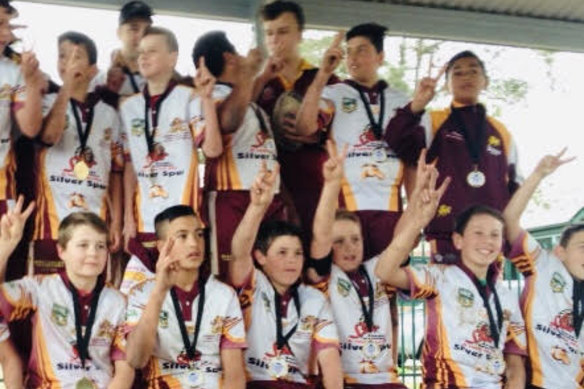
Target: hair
(276, 8)
(212, 46)
(135, 10)
(168, 35)
(9, 8)
(569, 232)
(169, 214)
(464, 217)
(343, 214)
(464, 54)
(272, 230)
(372, 31)
(78, 219)
(80, 39)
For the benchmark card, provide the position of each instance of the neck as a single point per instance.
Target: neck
(291, 66)
(157, 85)
(185, 279)
(367, 82)
(81, 283)
(479, 271)
(79, 93)
(281, 289)
(465, 102)
(130, 60)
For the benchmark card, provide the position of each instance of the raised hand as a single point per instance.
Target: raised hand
(425, 90)
(12, 225)
(264, 186)
(204, 81)
(333, 168)
(29, 67)
(273, 66)
(333, 55)
(166, 266)
(252, 63)
(73, 70)
(548, 164)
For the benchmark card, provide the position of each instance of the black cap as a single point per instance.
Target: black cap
(135, 10)
(6, 4)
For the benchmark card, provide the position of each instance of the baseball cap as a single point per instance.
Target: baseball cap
(135, 10)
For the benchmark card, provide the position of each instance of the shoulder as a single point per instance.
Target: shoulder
(109, 98)
(395, 95)
(141, 289)
(310, 294)
(137, 99)
(438, 117)
(219, 288)
(114, 296)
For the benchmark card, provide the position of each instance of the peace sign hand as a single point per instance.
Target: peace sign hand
(425, 91)
(264, 186)
(204, 81)
(166, 267)
(12, 225)
(333, 170)
(334, 54)
(548, 164)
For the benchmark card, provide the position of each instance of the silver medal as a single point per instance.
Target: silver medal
(476, 179)
(278, 367)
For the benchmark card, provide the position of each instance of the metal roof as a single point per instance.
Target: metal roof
(545, 24)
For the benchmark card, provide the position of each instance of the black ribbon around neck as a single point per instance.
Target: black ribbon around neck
(578, 306)
(150, 135)
(190, 347)
(494, 327)
(83, 133)
(82, 339)
(376, 126)
(367, 313)
(130, 75)
(475, 145)
(281, 338)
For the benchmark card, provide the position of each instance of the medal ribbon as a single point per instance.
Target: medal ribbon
(83, 133)
(578, 306)
(82, 340)
(473, 145)
(494, 328)
(130, 75)
(190, 348)
(151, 135)
(367, 314)
(376, 127)
(281, 339)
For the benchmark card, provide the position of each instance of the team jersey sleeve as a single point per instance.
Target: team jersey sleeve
(118, 351)
(47, 103)
(406, 134)
(233, 331)
(326, 108)
(4, 330)
(516, 342)
(515, 178)
(197, 120)
(526, 254)
(137, 299)
(18, 299)
(117, 148)
(423, 281)
(18, 96)
(124, 136)
(325, 334)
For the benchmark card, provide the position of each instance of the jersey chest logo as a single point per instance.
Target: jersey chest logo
(557, 283)
(59, 314)
(348, 104)
(343, 287)
(137, 127)
(465, 297)
(163, 319)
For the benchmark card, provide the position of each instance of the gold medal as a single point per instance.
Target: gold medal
(85, 383)
(81, 170)
(278, 367)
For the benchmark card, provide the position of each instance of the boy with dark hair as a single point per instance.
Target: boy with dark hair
(123, 76)
(474, 327)
(62, 305)
(279, 90)
(247, 142)
(162, 128)
(553, 297)
(475, 149)
(185, 327)
(359, 113)
(290, 327)
(81, 162)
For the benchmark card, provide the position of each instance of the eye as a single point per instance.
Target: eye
(101, 246)
(200, 234)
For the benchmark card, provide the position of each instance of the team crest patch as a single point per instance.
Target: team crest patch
(266, 301)
(557, 283)
(494, 141)
(444, 210)
(343, 287)
(465, 297)
(349, 105)
(163, 319)
(138, 126)
(59, 314)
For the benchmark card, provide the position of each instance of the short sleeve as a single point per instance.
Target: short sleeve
(233, 331)
(117, 148)
(423, 281)
(18, 299)
(516, 341)
(197, 120)
(137, 298)
(325, 334)
(526, 253)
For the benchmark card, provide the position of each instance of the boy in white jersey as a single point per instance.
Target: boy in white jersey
(359, 300)
(185, 327)
(474, 329)
(247, 141)
(553, 298)
(359, 112)
(123, 76)
(80, 164)
(290, 328)
(162, 128)
(77, 334)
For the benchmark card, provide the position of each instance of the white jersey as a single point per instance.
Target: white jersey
(61, 191)
(243, 151)
(54, 360)
(459, 350)
(135, 273)
(132, 83)
(11, 98)
(315, 330)
(373, 171)
(556, 354)
(168, 176)
(366, 356)
(221, 326)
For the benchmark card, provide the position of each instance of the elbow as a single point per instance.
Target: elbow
(30, 129)
(136, 360)
(213, 152)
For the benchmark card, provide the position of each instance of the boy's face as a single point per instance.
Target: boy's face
(155, 58)
(130, 34)
(347, 245)
(283, 261)
(481, 241)
(466, 80)
(189, 241)
(86, 253)
(80, 60)
(283, 35)
(363, 60)
(6, 35)
(573, 255)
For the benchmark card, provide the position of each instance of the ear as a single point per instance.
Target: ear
(487, 82)
(259, 257)
(560, 252)
(160, 244)
(118, 30)
(174, 58)
(380, 57)
(457, 240)
(60, 250)
(92, 71)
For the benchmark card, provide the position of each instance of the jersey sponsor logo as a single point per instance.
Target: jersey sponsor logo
(348, 104)
(59, 314)
(371, 170)
(77, 200)
(137, 126)
(465, 297)
(561, 328)
(157, 190)
(455, 135)
(343, 287)
(557, 283)
(443, 210)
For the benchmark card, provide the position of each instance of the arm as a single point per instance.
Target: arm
(515, 371)
(271, 70)
(116, 193)
(123, 376)
(233, 369)
(329, 361)
(11, 366)
(261, 193)
(130, 184)
(30, 116)
(513, 211)
(11, 227)
(204, 83)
